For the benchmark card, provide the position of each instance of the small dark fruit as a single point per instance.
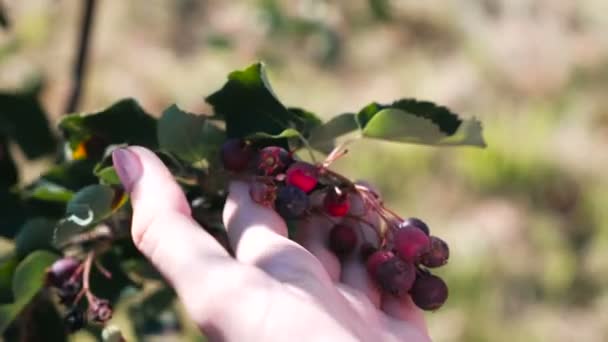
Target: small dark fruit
(417, 223)
(100, 311)
(273, 160)
(302, 175)
(69, 290)
(336, 202)
(429, 292)
(291, 202)
(262, 193)
(377, 258)
(74, 320)
(411, 243)
(396, 276)
(236, 155)
(437, 255)
(61, 271)
(342, 239)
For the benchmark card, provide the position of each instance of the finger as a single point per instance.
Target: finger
(313, 234)
(404, 309)
(258, 236)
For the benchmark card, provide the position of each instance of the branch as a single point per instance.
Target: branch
(78, 72)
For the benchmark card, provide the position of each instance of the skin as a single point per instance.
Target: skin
(272, 289)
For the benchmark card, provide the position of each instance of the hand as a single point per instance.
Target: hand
(274, 289)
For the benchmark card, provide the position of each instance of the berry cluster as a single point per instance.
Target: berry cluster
(398, 261)
(69, 277)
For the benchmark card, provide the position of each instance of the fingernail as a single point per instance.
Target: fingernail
(128, 167)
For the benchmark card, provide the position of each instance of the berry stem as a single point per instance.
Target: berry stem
(102, 269)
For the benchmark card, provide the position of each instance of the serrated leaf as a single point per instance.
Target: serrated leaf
(35, 234)
(418, 122)
(23, 120)
(322, 137)
(27, 281)
(46, 191)
(192, 138)
(123, 122)
(248, 105)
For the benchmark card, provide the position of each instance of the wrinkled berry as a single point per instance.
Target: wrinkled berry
(336, 203)
(236, 155)
(429, 292)
(342, 239)
(291, 202)
(302, 175)
(377, 258)
(74, 320)
(61, 271)
(411, 243)
(417, 223)
(272, 160)
(395, 276)
(100, 311)
(262, 193)
(437, 255)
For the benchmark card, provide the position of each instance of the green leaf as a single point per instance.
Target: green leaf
(418, 122)
(123, 122)
(7, 270)
(44, 190)
(322, 137)
(8, 170)
(23, 120)
(27, 281)
(307, 120)
(286, 134)
(248, 105)
(108, 176)
(35, 234)
(192, 138)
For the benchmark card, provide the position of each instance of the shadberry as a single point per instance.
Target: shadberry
(291, 202)
(302, 175)
(61, 271)
(336, 202)
(395, 276)
(74, 320)
(272, 160)
(429, 292)
(377, 258)
(411, 243)
(437, 255)
(69, 290)
(262, 193)
(342, 239)
(236, 155)
(100, 311)
(417, 223)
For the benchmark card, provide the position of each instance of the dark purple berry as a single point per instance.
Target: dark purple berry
(336, 202)
(417, 223)
(342, 239)
(377, 258)
(61, 271)
(273, 160)
(236, 155)
(68, 291)
(302, 175)
(100, 311)
(411, 243)
(291, 202)
(429, 292)
(74, 320)
(395, 276)
(437, 255)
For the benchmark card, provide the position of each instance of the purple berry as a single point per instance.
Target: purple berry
(411, 243)
(291, 202)
(429, 292)
(377, 258)
(395, 276)
(61, 271)
(417, 223)
(342, 239)
(236, 155)
(272, 160)
(437, 255)
(262, 193)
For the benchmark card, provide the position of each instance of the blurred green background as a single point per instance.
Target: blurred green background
(525, 218)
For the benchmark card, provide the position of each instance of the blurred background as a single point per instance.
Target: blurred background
(525, 218)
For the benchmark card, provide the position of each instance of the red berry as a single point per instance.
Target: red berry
(437, 255)
(377, 258)
(262, 193)
(416, 223)
(236, 155)
(302, 175)
(336, 203)
(411, 243)
(429, 292)
(273, 160)
(61, 271)
(342, 239)
(395, 276)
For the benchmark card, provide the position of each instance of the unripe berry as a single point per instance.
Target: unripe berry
(416, 223)
(272, 160)
(302, 175)
(411, 243)
(377, 258)
(395, 276)
(61, 271)
(429, 292)
(336, 203)
(437, 255)
(342, 239)
(236, 155)
(291, 202)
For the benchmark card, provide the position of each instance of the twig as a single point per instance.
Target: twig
(78, 73)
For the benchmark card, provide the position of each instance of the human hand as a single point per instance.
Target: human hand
(274, 289)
